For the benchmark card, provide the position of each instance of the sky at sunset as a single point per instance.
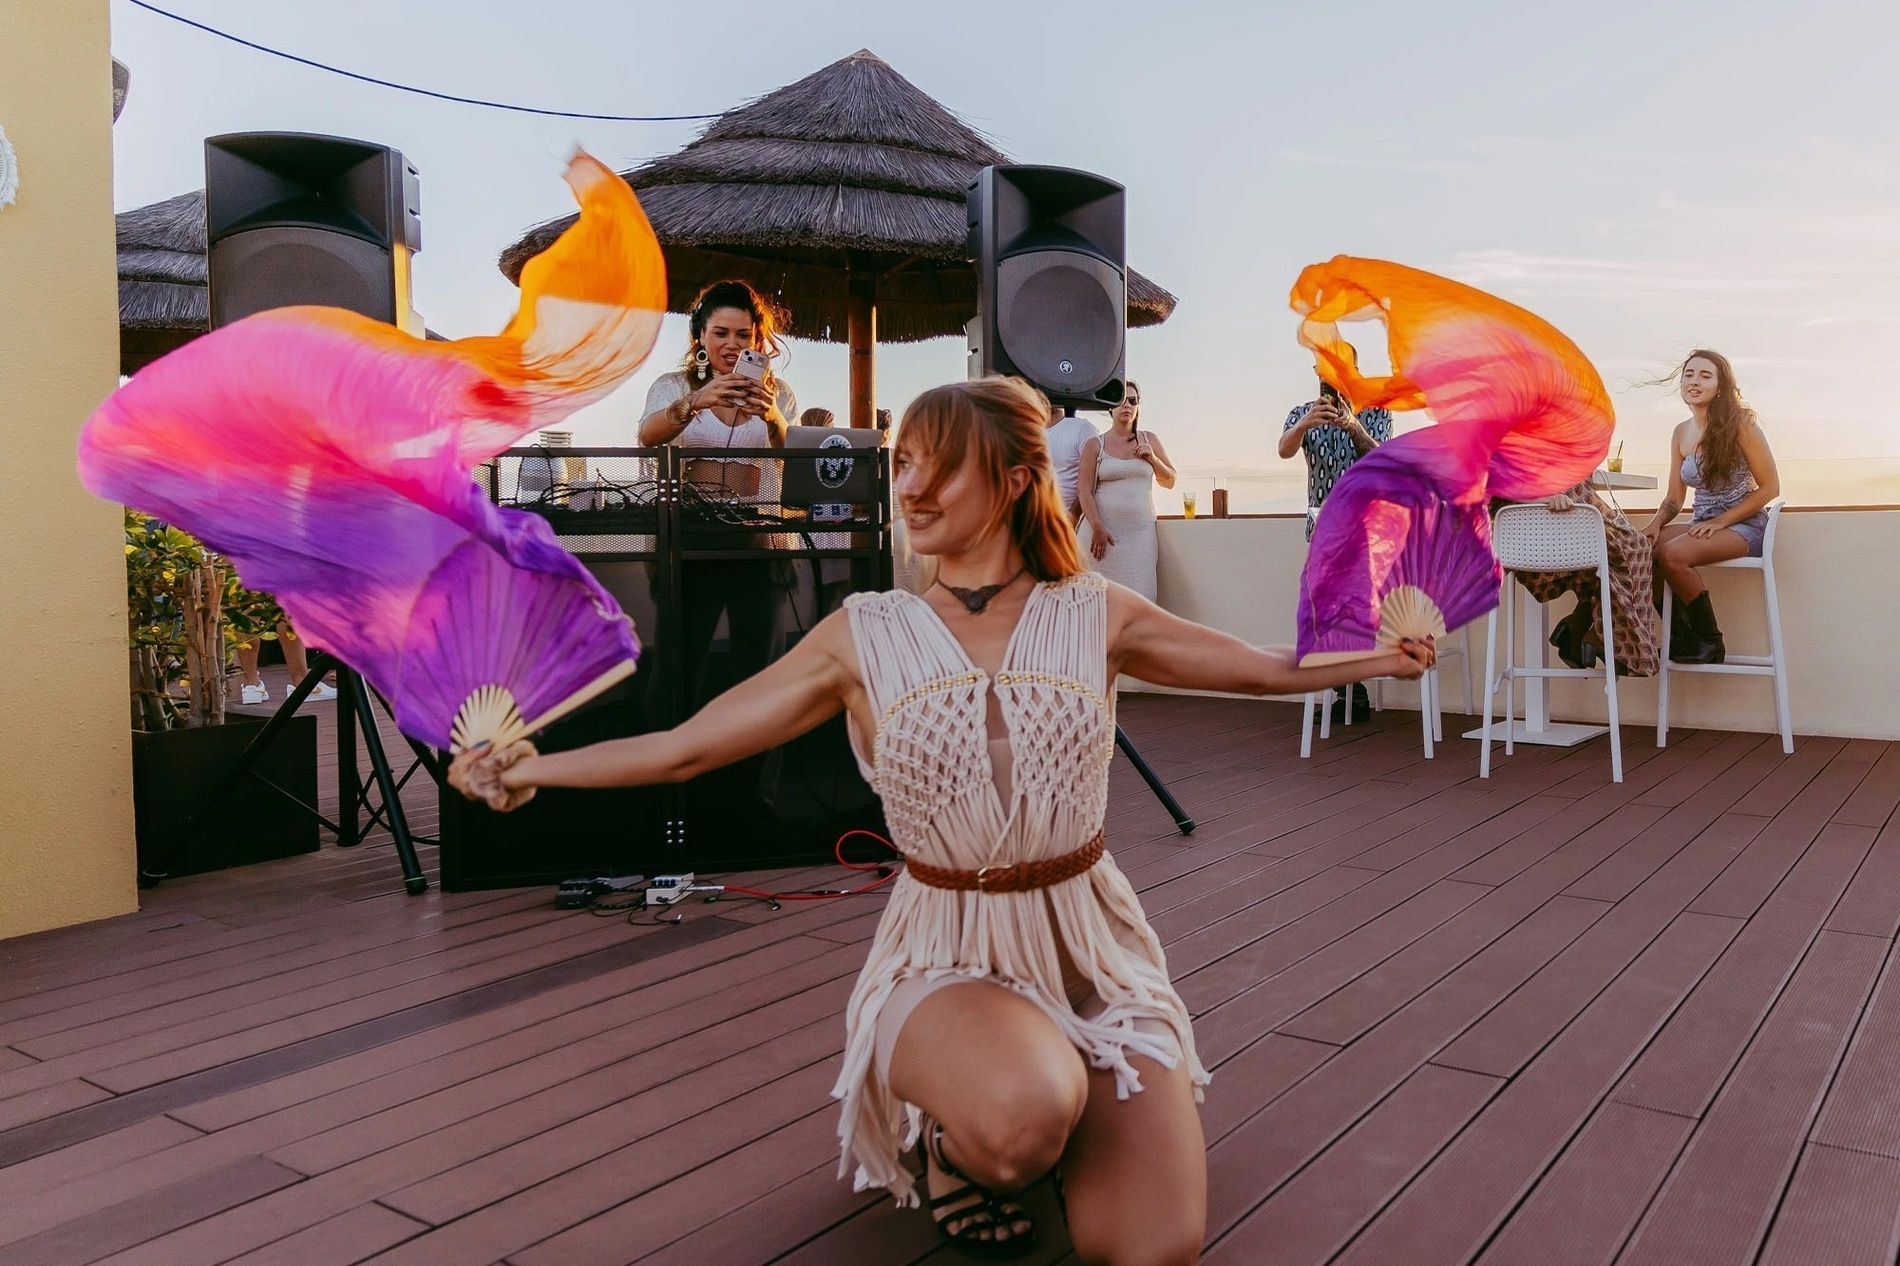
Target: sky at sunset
(1647, 176)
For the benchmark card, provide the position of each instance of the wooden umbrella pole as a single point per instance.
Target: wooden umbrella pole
(862, 332)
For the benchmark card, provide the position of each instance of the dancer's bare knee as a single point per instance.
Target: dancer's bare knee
(1020, 1130)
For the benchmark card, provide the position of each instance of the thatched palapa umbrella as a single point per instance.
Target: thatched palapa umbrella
(163, 303)
(844, 194)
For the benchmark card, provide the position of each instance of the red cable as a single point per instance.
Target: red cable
(837, 851)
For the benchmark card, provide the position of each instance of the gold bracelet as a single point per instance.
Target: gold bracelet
(683, 411)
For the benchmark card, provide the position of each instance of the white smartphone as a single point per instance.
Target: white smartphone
(752, 365)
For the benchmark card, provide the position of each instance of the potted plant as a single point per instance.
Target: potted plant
(186, 613)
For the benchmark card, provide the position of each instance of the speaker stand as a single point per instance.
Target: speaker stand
(1182, 822)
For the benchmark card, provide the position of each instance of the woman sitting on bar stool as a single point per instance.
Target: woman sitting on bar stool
(1720, 451)
(707, 405)
(1015, 1014)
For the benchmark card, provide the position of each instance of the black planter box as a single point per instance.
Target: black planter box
(173, 771)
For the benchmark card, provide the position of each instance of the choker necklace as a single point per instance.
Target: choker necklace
(974, 600)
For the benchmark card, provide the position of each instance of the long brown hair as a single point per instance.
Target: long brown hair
(1719, 453)
(766, 318)
(992, 426)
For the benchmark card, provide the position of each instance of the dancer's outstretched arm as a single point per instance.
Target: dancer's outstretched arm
(809, 685)
(1157, 647)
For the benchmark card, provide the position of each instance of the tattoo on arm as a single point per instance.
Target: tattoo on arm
(1669, 509)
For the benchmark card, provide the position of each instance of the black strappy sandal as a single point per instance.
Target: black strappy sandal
(969, 1211)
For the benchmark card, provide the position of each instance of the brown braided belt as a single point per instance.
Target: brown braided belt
(1021, 877)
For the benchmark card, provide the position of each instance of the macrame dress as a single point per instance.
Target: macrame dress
(931, 766)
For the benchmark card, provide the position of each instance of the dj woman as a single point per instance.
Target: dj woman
(707, 404)
(1015, 1015)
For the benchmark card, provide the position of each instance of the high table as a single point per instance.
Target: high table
(1535, 726)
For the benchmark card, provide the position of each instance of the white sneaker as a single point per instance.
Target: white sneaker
(323, 690)
(254, 694)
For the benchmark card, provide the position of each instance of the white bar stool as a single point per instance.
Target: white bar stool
(1536, 538)
(1773, 664)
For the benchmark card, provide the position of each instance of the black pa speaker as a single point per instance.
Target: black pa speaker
(293, 219)
(1051, 282)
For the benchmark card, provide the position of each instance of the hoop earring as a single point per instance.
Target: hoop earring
(700, 363)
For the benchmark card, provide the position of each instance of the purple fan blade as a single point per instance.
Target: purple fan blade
(1389, 523)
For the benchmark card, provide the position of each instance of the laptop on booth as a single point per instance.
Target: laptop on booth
(842, 476)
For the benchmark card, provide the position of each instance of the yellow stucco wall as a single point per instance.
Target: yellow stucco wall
(66, 851)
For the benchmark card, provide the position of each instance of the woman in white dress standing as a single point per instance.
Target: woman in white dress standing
(1119, 473)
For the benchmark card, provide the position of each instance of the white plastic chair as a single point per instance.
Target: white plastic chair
(1536, 538)
(1431, 717)
(1773, 664)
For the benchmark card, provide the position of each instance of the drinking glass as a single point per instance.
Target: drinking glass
(1187, 505)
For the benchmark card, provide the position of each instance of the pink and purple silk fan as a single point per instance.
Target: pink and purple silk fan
(330, 457)
(1403, 545)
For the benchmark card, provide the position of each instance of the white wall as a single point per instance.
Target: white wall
(1838, 613)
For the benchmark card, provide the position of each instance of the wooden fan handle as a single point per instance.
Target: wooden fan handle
(599, 685)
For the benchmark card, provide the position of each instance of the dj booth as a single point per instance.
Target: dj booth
(724, 558)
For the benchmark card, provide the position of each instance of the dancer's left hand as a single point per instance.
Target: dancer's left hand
(1414, 658)
(476, 773)
(1703, 531)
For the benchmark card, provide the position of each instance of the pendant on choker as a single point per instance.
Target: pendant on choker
(975, 600)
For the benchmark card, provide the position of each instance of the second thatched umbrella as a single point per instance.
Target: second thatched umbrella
(844, 195)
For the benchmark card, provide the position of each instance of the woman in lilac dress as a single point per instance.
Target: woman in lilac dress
(1720, 451)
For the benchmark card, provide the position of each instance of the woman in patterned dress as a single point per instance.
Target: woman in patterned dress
(1015, 1012)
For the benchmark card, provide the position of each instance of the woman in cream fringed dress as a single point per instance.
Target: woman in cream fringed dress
(1015, 1015)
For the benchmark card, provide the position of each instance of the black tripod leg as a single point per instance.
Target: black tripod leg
(1182, 821)
(349, 779)
(358, 695)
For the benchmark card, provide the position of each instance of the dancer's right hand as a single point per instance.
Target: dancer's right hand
(1100, 542)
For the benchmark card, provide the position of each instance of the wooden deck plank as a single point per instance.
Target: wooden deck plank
(1862, 1111)
(133, 1222)
(1871, 904)
(1583, 1210)
(1252, 1161)
(1746, 884)
(1314, 1215)
(1878, 795)
(1505, 1040)
(1684, 1068)
(1843, 1208)
(1744, 1152)
(349, 1237)
(473, 1077)
(1455, 1206)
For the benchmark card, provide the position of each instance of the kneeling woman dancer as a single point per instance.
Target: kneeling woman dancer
(1015, 1012)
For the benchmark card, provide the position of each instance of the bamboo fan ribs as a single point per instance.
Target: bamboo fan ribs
(490, 715)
